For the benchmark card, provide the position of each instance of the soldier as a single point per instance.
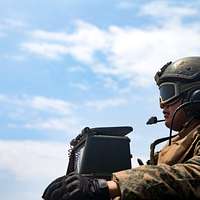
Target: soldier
(172, 173)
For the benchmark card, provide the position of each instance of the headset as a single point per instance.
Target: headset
(191, 103)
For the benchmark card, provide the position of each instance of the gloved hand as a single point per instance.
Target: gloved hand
(51, 192)
(77, 187)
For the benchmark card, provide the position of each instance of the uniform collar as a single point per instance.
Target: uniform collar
(189, 126)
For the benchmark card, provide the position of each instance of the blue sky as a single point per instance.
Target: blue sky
(70, 64)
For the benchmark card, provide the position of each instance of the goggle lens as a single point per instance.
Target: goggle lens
(167, 92)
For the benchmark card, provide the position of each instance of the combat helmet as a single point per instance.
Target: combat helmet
(179, 78)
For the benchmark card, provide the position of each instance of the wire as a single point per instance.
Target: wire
(174, 114)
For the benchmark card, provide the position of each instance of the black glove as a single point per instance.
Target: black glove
(53, 190)
(78, 187)
(84, 188)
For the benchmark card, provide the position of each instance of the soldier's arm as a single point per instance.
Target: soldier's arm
(180, 181)
(114, 189)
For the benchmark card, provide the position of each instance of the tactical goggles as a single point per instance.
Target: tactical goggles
(168, 92)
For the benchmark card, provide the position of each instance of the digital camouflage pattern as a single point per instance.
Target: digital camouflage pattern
(176, 175)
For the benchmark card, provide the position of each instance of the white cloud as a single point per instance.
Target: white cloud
(137, 53)
(128, 4)
(134, 54)
(48, 50)
(166, 9)
(111, 84)
(87, 39)
(32, 159)
(39, 103)
(81, 86)
(86, 34)
(39, 112)
(106, 103)
(62, 124)
(12, 23)
(50, 104)
(7, 24)
(76, 69)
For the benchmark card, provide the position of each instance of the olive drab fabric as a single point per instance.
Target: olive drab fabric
(176, 175)
(182, 146)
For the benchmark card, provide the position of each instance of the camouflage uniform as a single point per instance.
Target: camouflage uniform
(176, 175)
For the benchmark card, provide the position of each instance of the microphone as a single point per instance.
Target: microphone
(153, 120)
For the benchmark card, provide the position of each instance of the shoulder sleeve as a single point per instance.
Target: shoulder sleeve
(180, 181)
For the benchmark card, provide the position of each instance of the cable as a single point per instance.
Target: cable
(174, 114)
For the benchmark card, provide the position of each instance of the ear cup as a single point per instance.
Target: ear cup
(195, 96)
(194, 108)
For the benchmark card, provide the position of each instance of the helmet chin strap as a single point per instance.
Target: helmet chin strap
(158, 141)
(184, 105)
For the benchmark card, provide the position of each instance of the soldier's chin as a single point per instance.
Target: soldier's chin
(167, 124)
(175, 127)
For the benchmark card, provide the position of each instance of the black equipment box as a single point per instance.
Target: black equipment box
(100, 151)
